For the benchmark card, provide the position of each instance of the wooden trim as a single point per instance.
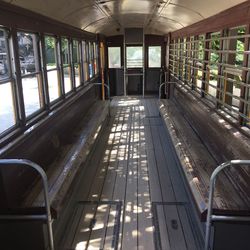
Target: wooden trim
(235, 16)
(204, 85)
(13, 16)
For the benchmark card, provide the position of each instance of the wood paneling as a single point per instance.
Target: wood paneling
(41, 145)
(235, 16)
(20, 18)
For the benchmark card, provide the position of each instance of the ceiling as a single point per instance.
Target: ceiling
(109, 17)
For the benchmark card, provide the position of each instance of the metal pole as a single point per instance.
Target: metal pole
(102, 70)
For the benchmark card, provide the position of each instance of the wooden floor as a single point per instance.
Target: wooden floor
(131, 194)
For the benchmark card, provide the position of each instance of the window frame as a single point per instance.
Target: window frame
(38, 74)
(10, 79)
(66, 65)
(57, 69)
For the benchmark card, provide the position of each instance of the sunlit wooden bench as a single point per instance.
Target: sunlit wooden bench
(203, 140)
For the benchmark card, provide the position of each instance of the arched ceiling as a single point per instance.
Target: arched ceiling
(109, 17)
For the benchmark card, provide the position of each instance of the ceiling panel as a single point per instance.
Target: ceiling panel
(107, 16)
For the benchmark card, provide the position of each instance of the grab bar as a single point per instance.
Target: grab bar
(211, 217)
(160, 87)
(47, 216)
(105, 85)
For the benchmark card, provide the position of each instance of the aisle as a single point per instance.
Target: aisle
(132, 196)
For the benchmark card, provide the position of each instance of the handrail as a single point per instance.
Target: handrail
(47, 216)
(211, 217)
(164, 83)
(105, 85)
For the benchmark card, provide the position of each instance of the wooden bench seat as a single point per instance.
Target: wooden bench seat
(202, 143)
(70, 159)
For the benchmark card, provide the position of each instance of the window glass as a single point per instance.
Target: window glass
(95, 58)
(4, 59)
(114, 57)
(85, 60)
(65, 51)
(76, 62)
(31, 94)
(66, 68)
(28, 52)
(7, 111)
(154, 56)
(75, 52)
(134, 57)
(67, 79)
(51, 65)
(54, 90)
(50, 52)
(91, 73)
(31, 74)
(7, 114)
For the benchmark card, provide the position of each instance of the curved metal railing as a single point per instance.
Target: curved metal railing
(47, 217)
(210, 216)
(106, 86)
(162, 84)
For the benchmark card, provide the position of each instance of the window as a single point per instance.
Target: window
(96, 66)
(91, 60)
(51, 57)
(114, 57)
(31, 72)
(154, 56)
(85, 61)
(134, 56)
(76, 63)
(65, 57)
(7, 110)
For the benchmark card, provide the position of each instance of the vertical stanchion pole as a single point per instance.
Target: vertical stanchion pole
(102, 70)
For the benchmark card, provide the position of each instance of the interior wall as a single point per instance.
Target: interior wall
(152, 75)
(42, 146)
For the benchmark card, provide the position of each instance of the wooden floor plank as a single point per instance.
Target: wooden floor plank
(186, 226)
(165, 181)
(163, 229)
(122, 170)
(145, 226)
(83, 231)
(130, 227)
(109, 186)
(176, 235)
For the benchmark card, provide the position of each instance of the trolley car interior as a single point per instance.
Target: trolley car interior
(124, 124)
